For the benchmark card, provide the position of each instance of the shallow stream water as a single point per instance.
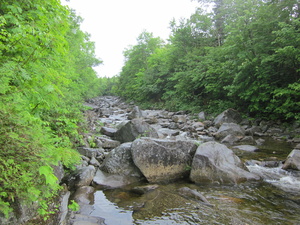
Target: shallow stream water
(274, 200)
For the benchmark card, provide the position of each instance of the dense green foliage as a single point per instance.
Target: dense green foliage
(244, 54)
(45, 74)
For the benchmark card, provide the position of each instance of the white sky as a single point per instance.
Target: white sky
(116, 24)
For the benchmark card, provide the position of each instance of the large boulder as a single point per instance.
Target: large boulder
(119, 161)
(163, 160)
(292, 161)
(81, 177)
(228, 116)
(133, 129)
(215, 163)
(230, 129)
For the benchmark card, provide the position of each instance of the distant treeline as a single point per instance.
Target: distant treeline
(245, 54)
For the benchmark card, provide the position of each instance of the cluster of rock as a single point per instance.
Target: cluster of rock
(127, 145)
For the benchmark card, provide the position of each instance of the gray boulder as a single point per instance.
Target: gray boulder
(119, 161)
(228, 116)
(163, 160)
(108, 131)
(293, 161)
(215, 163)
(230, 129)
(133, 129)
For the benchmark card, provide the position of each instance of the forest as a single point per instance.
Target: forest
(45, 75)
(244, 54)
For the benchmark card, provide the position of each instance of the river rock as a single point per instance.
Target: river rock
(81, 177)
(293, 161)
(230, 129)
(163, 160)
(228, 116)
(133, 129)
(215, 163)
(84, 195)
(107, 180)
(119, 161)
(135, 113)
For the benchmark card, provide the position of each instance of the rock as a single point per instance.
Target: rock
(179, 119)
(112, 180)
(94, 162)
(84, 195)
(230, 128)
(80, 219)
(168, 132)
(293, 161)
(108, 143)
(110, 132)
(248, 140)
(215, 163)
(228, 116)
(135, 113)
(144, 189)
(201, 116)
(162, 160)
(253, 131)
(189, 193)
(133, 129)
(230, 139)
(119, 161)
(247, 148)
(63, 208)
(58, 171)
(89, 152)
(297, 146)
(260, 141)
(81, 177)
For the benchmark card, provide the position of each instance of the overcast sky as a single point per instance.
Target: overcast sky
(116, 24)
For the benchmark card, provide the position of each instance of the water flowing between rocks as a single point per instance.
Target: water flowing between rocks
(273, 200)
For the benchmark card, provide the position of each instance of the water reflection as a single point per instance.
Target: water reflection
(112, 214)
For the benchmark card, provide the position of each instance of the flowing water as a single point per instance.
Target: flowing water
(274, 200)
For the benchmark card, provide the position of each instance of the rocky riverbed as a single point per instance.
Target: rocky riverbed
(161, 167)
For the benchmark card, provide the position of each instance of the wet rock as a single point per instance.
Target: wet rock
(133, 129)
(248, 140)
(247, 148)
(260, 141)
(253, 131)
(228, 116)
(80, 219)
(293, 161)
(63, 208)
(110, 132)
(215, 163)
(230, 129)
(189, 193)
(107, 180)
(162, 160)
(84, 195)
(119, 161)
(144, 189)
